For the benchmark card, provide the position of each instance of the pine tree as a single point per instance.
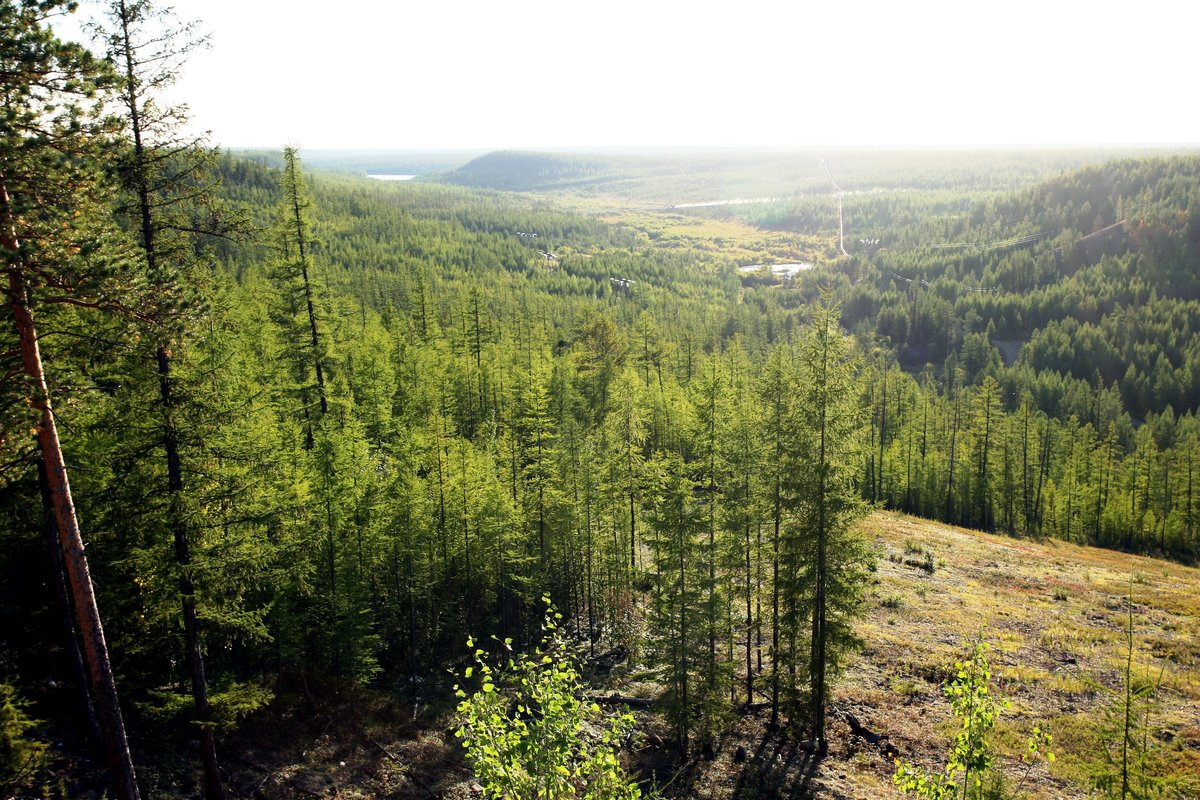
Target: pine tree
(54, 240)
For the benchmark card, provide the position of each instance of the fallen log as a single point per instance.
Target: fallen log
(860, 730)
(869, 736)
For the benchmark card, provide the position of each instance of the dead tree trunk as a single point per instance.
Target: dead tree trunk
(66, 611)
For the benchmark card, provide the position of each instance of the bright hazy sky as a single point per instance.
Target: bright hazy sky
(467, 74)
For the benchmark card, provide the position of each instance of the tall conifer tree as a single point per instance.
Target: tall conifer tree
(830, 504)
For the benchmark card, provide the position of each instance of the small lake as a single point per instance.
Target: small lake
(392, 177)
(788, 271)
(737, 201)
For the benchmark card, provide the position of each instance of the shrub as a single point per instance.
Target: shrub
(529, 732)
(971, 754)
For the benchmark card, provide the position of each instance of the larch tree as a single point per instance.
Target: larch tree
(835, 566)
(306, 343)
(170, 197)
(679, 644)
(986, 429)
(720, 555)
(626, 423)
(774, 392)
(741, 516)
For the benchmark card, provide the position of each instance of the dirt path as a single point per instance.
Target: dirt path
(841, 219)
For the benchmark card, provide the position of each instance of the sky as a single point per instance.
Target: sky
(462, 74)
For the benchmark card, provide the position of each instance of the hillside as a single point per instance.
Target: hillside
(1053, 613)
(452, 402)
(422, 473)
(1094, 271)
(712, 178)
(1063, 273)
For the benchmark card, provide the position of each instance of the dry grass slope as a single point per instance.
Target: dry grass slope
(1055, 616)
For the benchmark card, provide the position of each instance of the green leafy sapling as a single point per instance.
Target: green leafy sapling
(529, 732)
(970, 758)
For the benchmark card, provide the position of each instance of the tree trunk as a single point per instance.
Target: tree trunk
(104, 688)
(66, 612)
(213, 790)
(302, 247)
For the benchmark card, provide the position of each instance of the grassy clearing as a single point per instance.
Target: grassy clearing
(1054, 614)
(725, 238)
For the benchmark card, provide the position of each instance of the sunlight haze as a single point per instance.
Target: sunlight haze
(423, 75)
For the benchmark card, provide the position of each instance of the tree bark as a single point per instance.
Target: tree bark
(213, 789)
(104, 688)
(66, 611)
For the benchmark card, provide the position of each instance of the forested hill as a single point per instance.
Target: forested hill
(1092, 277)
(526, 171)
(1080, 326)
(274, 442)
(671, 176)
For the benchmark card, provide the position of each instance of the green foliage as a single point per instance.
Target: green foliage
(969, 773)
(529, 732)
(20, 755)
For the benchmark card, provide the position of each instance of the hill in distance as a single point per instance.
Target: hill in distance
(671, 176)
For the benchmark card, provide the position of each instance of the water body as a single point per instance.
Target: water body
(738, 201)
(392, 177)
(787, 271)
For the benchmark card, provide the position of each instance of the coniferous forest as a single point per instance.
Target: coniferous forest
(572, 482)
